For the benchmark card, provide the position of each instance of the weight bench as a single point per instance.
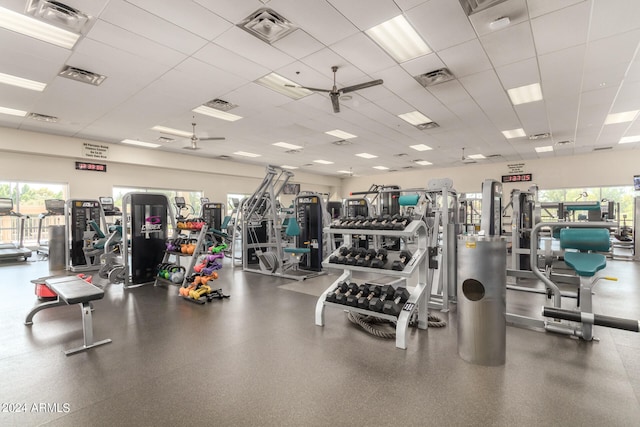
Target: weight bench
(73, 290)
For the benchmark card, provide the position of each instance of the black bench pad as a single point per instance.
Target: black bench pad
(74, 290)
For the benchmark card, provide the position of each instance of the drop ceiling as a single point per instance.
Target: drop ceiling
(162, 59)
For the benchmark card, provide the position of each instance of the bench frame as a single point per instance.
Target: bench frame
(85, 305)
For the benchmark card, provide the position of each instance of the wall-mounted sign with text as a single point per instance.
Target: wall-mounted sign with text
(96, 167)
(95, 151)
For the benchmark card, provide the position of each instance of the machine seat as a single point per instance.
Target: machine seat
(584, 263)
(297, 250)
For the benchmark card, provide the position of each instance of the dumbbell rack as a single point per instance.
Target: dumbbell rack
(191, 233)
(418, 264)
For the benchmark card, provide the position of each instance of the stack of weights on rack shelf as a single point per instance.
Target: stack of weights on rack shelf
(190, 224)
(196, 287)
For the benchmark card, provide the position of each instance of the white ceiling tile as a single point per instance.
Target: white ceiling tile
(375, 12)
(363, 53)
(560, 73)
(533, 117)
(510, 45)
(450, 93)
(518, 74)
(613, 17)
(561, 29)
(465, 58)
(230, 61)
(252, 48)
(487, 92)
(423, 64)
(542, 7)
(231, 10)
(298, 44)
(188, 15)
(140, 22)
(442, 23)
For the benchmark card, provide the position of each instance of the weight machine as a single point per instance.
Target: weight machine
(149, 217)
(84, 220)
(261, 225)
(11, 251)
(582, 243)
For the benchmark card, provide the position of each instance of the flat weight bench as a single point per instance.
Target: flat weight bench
(73, 290)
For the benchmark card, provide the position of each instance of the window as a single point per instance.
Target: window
(192, 198)
(28, 200)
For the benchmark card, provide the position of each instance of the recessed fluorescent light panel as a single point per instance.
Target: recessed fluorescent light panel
(514, 133)
(423, 163)
(20, 82)
(12, 112)
(171, 131)
(366, 155)
(544, 149)
(398, 38)
(415, 118)
(37, 29)
(246, 154)
(288, 167)
(140, 143)
(476, 156)
(287, 146)
(629, 139)
(323, 162)
(420, 147)
(627, 116)
(349, 172)
(278, 83)
(341, 134)
(525, 94)
(208, 111)
(381, 168)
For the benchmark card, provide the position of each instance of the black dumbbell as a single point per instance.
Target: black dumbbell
(339, 259)
(401, 222)
(380, 259)
(340, 289)
(365, 261)
(363, 291)
(363, 301)
(359, 253)
(386, 293)
(402, 261)
(341, 298)
(399, 298)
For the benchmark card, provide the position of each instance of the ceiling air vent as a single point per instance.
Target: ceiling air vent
(428, 125)
(473, 6)
(400, 155)
(539, 136)
(407, 167)
(224, 157)
(81, 75)
(164, 139)
(42, 117)
(57, 13)
(220, 104)
(293, 151)
(342, 142)
(434, 77)
(602, 148)
(493, 156)
(563, 142)
(266, 24)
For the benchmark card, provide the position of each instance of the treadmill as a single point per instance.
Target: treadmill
(54, 207)
(10, 251)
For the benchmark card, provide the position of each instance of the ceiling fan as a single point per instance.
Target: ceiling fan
(335, 93)
(195, 139)
(467, 159)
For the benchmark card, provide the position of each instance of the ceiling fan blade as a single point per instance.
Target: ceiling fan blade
(212, 138)
(315, 89)
(361, 86)
(335, 102)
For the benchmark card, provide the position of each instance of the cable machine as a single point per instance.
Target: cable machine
(83, 219)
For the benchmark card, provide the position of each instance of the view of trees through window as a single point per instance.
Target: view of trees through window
(622, 195)
(28, 200)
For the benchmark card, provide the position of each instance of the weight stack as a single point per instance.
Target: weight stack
(482, 299)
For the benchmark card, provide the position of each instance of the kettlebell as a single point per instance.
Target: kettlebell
(176, 274)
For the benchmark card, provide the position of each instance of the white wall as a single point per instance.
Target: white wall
(589, 170)
(36, 157)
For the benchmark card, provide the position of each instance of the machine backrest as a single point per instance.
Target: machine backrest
(585, 239)
(408, 199)
(293, 229)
